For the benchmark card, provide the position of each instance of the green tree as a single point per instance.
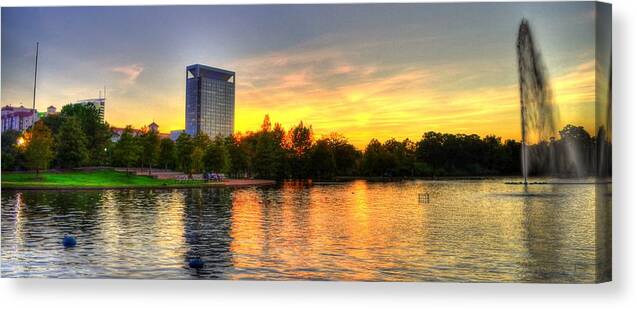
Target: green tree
(399, 157)
(430, 151)
(511, 160)
(373, 163)
(197, 160)
(268, 158)
(346, 156)
(71, 144)
(263, 151)
(269, 154)
(201, 140)
(53, 122)
(39, 149)
(238, 156)
(216, 157)
(167, 155)
(11, 154)
(322, 160)
(97, 133)
(127, 150)
(149, 141)
(299, 142)
(185, 147)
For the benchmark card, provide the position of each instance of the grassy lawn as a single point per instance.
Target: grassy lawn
(92, 179)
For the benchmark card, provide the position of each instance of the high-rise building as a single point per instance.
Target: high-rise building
(98, 104)
(209, 100)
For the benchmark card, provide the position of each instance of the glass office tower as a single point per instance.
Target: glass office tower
(209, 101)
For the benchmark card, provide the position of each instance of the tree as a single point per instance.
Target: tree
(149, 141)
(39, 149)
(298, 142)
(97, 132)
(300, 139)
(167, 155)
(201, 140)
(430, 150)
(322, 160)
(127, 150)
(238, 155)
(269, 155)
(54, 122)
(577, 151)
(11, 155)
(266, 126)
(216, 157)
(512, 164)
(346, 156)
(185, 147)
(71, 144)
(374, 159)
(197, 160)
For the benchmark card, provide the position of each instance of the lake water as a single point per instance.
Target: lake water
(477, 230)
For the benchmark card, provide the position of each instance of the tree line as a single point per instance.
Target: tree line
(76, 137)
(73, 138)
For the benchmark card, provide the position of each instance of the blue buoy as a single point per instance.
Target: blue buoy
(195, 263)
(69, 241)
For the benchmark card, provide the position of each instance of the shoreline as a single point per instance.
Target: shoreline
(146, 182)
(231, 183)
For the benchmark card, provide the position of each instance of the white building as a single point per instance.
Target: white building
(51, 110)
(18, 118)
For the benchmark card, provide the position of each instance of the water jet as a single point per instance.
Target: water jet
(538, 113)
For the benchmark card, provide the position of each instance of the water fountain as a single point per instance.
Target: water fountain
(538, 113)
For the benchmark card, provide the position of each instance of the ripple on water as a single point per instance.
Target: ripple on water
(482, 230)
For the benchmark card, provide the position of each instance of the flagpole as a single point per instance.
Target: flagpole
(35, 77)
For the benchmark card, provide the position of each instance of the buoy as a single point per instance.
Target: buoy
(69, 241)
(195, 263)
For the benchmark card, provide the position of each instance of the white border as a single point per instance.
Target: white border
(232, 294)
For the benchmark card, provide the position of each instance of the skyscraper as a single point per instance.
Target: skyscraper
(209, 100)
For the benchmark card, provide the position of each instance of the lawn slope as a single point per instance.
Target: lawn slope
(88, 179)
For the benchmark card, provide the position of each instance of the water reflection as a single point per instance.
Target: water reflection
(603, 235)
(207, 231)
(466, 231)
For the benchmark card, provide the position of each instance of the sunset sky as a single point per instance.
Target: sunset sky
(361, 70)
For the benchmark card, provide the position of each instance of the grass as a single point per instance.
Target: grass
(88, 179)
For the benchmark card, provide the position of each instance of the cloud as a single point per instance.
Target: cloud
(335, 90)
(130, 72)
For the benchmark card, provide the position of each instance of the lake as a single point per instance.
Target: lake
(421, 230)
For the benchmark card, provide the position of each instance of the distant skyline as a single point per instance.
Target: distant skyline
(365, 71)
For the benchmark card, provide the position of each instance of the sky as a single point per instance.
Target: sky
(365, 71)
